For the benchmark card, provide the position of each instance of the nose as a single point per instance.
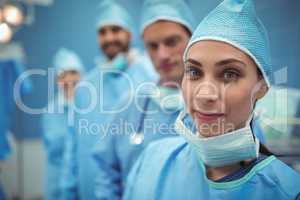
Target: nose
(109, 37)
(163, 53)
(207, 93)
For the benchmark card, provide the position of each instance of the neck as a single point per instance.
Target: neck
(126, 53)
(216, 173)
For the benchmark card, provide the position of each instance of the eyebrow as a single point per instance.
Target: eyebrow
(195, 62)
(230, 60)
(220, 63)
(173, 36)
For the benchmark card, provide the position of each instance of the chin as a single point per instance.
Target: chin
(173, 78)
(111, 53)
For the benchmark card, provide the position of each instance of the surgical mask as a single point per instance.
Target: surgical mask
(168, 98)
(222, 150)
(120, 62)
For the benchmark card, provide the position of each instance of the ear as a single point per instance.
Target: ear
(262, 90)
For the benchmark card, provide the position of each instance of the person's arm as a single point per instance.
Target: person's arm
(132, 177)
(54, 145)
(53, 138)
(108, 178)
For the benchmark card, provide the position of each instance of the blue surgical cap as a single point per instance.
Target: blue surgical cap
(170, 10)
(235, 22)
(111, 13)
(66, 60)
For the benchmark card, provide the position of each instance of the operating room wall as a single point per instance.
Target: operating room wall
(72, 24)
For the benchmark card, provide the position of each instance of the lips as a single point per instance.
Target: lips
(208, 117)
(110, 45)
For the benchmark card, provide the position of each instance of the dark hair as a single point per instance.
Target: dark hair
(259, 73)
(187, 30)
(264, 150)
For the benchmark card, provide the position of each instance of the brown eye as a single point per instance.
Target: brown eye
(152, 46)
(172, 41)
(102, 32)
(115, 29)
(230, 75)
(193, 72)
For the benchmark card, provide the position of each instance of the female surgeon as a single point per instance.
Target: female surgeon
(227, 70)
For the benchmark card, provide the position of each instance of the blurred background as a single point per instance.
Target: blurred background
(31, 31)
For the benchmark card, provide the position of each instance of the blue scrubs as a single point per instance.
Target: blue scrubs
(170, 169)
(80, 169)
(116, 153)
(55, 131)
(10, 69)
(2, 195)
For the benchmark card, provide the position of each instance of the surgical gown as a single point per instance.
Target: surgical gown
(80, 169)
(10, 70)
(116, 153)
(170, 169)
(55, 132)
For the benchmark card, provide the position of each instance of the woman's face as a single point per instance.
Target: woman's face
(67, 81)
(220, 86)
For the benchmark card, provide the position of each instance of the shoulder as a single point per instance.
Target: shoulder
(164, 149)
(137, 56)
(283, 170)
(149, 168)
(157, 153)
(92, 75)
(283, 177)
(141, 63)
(168, 142)
(89, 84)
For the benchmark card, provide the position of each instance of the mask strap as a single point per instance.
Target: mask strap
(256, 140)
(180, 126)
